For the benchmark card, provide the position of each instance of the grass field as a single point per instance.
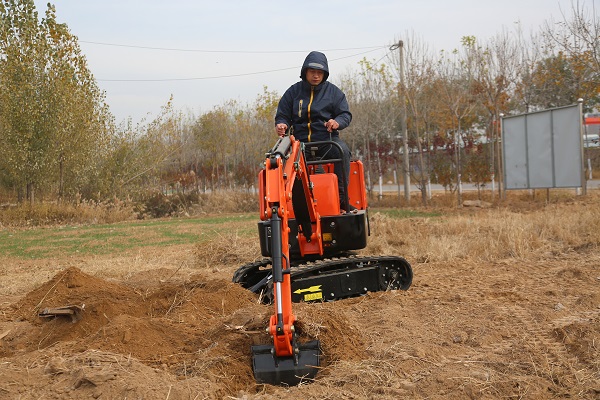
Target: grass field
(128, 236)
(115, 238)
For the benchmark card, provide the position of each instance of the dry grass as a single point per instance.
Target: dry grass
(507, 306)
(115, 210)
(491, 234)
(51, 213)
(223, 251)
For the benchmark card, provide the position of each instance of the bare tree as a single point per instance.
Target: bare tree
(577, 34)
(374, 115)
(455, 84)
(497, 65)
(418, 77)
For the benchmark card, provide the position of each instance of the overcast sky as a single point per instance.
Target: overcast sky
(207, 52)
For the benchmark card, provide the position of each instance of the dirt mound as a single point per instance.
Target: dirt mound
(194, 329)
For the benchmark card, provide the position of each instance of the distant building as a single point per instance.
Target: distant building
(591, 134)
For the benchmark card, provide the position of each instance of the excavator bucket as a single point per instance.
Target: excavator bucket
(286, 370)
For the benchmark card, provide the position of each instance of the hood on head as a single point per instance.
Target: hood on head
(315, 60)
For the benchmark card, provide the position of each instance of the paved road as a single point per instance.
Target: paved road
(592, 184)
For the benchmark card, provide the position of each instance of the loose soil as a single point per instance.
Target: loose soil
(167, 323)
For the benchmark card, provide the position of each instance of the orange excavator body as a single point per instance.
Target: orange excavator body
(301, 221)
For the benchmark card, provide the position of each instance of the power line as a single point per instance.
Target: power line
(234, 75)
(222, 51)
(197, 78)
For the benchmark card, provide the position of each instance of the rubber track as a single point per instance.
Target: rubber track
(244, 270)
(323, 267)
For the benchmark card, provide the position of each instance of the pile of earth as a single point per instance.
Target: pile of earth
(148, 336)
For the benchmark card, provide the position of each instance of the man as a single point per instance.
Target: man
(317, 110)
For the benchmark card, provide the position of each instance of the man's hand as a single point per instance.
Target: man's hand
(331, 125)
(281, 129)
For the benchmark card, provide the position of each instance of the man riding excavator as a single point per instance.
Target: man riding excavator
(317, 110)
(313, 211)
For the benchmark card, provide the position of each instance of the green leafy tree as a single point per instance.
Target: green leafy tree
(141, 155)
(51, 111)
(23, 59)
(75, 108)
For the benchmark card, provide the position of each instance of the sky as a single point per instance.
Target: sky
(205, 53)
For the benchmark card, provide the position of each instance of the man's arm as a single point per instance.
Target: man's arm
(283, 119)
(342, 113)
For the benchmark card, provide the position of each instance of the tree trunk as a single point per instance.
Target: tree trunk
(458, 169)
(30, 193)
(422, 180)
(61, 180)
(368, 152)
(379, 169)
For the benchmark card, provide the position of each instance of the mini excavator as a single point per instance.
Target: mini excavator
(308, 243)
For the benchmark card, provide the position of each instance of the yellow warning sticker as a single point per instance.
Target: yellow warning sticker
(311, 293)
(313, 296)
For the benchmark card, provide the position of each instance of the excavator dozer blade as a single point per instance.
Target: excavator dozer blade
(283, 370)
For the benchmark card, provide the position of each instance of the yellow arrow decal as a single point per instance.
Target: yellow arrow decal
(311, 289)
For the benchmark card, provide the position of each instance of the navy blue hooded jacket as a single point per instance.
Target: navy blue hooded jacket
(307, 107)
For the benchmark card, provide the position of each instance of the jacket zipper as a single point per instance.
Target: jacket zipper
(312, 92)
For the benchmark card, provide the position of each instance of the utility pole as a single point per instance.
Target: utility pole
(403, 125)
(501, 192)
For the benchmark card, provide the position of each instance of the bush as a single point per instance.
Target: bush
(158, 205)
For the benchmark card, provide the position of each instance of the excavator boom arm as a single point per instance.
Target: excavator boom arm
(286, 182)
